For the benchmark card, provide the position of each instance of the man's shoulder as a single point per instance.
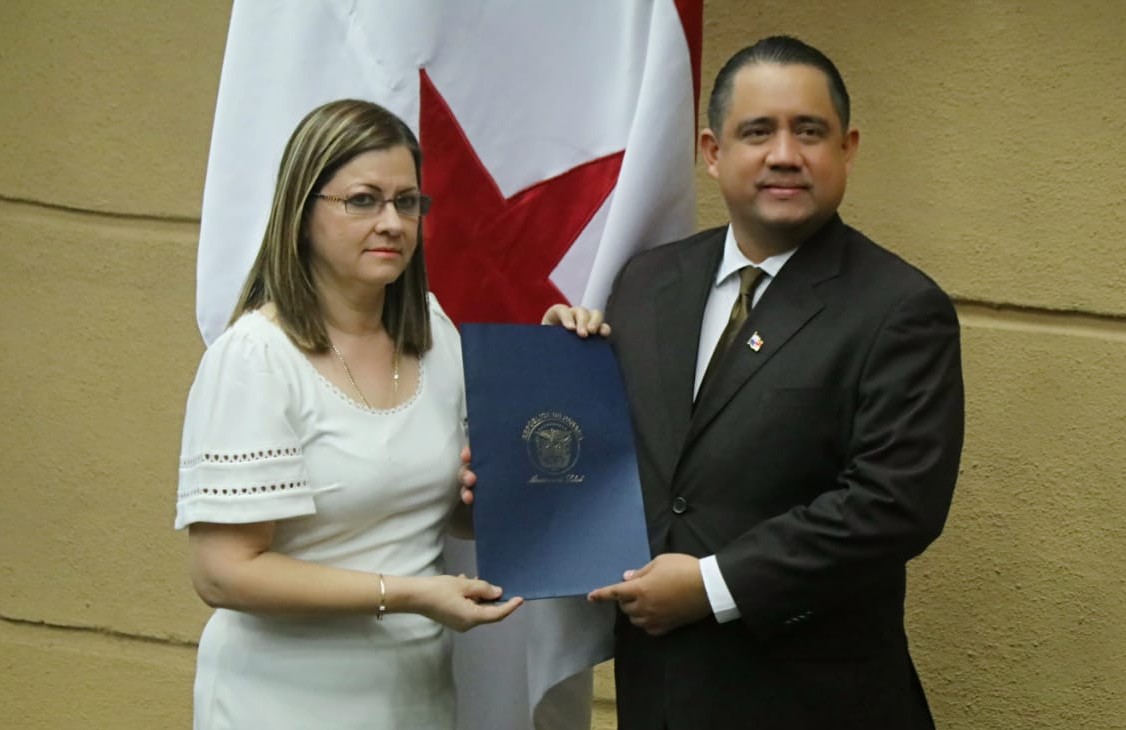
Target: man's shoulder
(661, 254)
(880, 265)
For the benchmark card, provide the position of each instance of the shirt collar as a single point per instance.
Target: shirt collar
(733, 260)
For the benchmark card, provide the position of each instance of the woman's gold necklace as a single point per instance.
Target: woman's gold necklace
(394, 375)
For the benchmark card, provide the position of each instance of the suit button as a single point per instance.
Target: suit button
(679, 506)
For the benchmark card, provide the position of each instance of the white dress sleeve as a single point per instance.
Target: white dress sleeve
(447, 338)
(240, 459)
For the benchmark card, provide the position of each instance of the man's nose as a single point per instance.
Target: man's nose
(784, 151)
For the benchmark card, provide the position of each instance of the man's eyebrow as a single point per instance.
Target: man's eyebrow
(811, 119)
(754, 122)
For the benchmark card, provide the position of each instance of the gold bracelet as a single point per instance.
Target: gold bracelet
(382, 599)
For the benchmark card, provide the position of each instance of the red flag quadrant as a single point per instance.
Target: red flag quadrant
(489, 257)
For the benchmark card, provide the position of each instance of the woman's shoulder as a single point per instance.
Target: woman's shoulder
(254, 340)
(446, 338)
(436, 311)
(441, 325)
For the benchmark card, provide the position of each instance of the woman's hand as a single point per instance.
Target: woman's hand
(233, 567)
(580, 320)
(466, 479)
(456, 602)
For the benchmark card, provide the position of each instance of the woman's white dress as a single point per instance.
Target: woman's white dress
(267, 437)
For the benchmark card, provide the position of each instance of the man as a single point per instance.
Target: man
(786, 491)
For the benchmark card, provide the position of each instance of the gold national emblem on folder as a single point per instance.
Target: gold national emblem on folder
(554, 445)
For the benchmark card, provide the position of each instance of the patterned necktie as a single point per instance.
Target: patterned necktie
(749, 277)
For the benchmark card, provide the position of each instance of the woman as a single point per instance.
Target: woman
(320, 454)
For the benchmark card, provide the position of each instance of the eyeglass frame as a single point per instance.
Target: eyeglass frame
(424, 202)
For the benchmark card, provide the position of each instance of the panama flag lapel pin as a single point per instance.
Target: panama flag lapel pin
(756, 342)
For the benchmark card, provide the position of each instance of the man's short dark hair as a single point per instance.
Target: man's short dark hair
(781, 49)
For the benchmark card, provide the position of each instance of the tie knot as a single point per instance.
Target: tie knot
(748, 277)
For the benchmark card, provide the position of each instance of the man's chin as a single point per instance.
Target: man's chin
(787, 224)
(789, 230)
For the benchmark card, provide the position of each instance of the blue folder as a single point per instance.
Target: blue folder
(557, 506)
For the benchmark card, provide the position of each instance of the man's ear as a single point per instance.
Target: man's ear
(851, 145)
(709, 150)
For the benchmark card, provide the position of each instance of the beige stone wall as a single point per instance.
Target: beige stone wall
(104, 129)
(993, 135)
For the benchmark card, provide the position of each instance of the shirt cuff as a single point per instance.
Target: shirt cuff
(723, 605)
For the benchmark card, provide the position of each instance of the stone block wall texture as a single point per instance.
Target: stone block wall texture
(992, 137)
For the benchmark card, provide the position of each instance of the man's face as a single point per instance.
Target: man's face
(782, 158)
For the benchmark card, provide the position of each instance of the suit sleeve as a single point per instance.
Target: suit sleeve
(893, 494)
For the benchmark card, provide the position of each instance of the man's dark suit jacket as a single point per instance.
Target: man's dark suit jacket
(814, 469)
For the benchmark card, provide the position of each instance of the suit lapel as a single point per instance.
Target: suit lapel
(784, 309)
(681, 299)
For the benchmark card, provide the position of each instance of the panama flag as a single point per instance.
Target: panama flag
(558, 140)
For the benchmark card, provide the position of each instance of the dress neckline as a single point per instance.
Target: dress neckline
(257, 314)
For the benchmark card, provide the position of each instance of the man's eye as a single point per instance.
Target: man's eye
(363, 201)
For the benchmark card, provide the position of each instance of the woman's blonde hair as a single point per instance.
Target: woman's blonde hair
(325, 140)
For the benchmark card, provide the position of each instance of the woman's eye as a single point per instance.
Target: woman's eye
(363, 200)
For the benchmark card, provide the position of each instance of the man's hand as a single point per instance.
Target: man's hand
(580, 320)
(664, 595)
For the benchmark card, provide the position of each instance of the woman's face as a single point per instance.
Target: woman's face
(355, 239)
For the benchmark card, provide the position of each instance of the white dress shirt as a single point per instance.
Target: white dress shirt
(725, 289)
